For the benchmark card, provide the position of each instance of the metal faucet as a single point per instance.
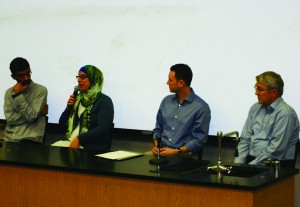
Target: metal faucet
(276, 166)
(219, 168)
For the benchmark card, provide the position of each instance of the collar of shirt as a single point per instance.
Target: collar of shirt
(30, 85)
(273, 106)
(189, 98)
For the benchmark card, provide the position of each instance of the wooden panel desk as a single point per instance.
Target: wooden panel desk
(34, 175)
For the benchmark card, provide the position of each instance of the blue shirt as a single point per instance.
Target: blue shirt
(185, 124)
(269, 133)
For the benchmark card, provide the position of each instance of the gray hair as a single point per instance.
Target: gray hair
(272, 81)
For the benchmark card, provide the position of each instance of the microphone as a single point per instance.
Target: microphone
(158, 139)
(75, 92)
(158, 160)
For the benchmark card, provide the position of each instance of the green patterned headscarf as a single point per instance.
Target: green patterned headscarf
(86, 99)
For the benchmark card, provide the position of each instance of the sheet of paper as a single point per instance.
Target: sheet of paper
(119, 155)
(62, 143)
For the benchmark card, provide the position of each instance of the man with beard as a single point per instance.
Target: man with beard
(25, 106)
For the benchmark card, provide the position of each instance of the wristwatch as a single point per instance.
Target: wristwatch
(179, 150)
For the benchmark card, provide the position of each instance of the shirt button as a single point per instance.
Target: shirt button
(173, 128)
(175, 116)
(170, 139)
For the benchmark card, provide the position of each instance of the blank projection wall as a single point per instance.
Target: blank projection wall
(134, 43)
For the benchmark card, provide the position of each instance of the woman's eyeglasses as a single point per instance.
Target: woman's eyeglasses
(81, 77)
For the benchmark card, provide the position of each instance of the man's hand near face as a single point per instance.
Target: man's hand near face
(20, 87)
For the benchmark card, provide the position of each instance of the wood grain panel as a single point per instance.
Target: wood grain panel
(21, 186)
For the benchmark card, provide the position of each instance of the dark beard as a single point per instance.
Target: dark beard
(26, 82)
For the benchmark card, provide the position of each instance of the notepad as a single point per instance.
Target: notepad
(119, 155)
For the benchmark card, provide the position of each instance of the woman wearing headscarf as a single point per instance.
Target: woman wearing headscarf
(88, 117)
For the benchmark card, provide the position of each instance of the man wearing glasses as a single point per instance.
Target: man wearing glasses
(271, 130)
(25, 106)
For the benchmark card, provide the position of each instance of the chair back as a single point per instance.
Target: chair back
(200, 153)
(296, 154)
(45, 134)
(290, 163)
(111, 132)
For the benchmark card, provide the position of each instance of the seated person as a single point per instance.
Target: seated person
(271, 130)
(183, 119)
(88, 117)
(25, 106)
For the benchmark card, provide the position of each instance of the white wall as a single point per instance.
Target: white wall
(134, 43)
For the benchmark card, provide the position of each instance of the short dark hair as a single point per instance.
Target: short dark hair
(183, 72)
(18, 65)
(272, 81)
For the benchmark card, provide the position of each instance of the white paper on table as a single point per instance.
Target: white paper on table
(119, 155)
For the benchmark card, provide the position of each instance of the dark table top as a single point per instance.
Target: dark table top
(176, 170)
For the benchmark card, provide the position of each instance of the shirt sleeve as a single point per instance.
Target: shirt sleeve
(157, 131)
(63, 119)
(18, 110)
(279, 140)
(245, 139)
(200, 130)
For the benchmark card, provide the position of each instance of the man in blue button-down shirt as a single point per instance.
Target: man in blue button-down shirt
(272, 127)
(183, 118)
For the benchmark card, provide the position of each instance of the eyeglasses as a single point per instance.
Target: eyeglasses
(259, 89)
(28, 74)
(81, 77)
